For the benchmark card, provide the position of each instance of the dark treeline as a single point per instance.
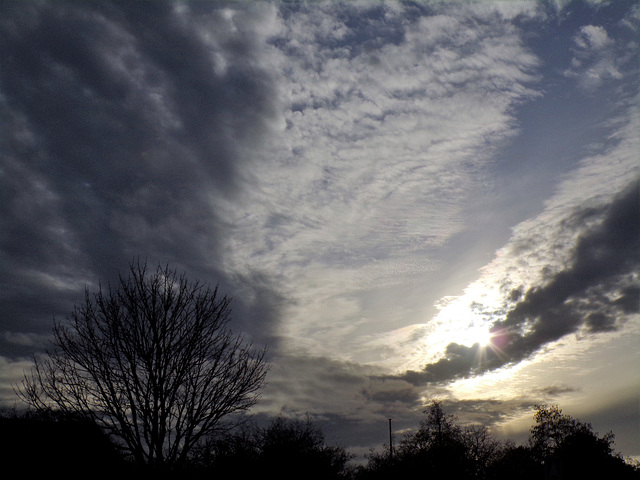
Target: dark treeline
(559, 447)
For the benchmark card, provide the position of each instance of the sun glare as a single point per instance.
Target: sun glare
(463, 321)
(483, 337)
(460, 324)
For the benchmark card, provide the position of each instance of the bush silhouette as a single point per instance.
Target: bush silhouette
(37, 444)
(285, 448)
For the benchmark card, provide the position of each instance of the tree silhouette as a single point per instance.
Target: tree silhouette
(440, 448)
(437, 430)
(437, 447)
(294, 448)
(482, 449)
(151, 362)
(572, 447)
(286, 448)
(551, 430)
(515, 462)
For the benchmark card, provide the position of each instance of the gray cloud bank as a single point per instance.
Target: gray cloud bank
(120, 130)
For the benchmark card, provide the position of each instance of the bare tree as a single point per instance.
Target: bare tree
(481, 447)
(437, 430)
(152, 362)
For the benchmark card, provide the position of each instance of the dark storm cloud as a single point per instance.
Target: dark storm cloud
(593, 292)
(556, 390)
(119, 125)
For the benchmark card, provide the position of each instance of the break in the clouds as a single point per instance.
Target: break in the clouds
(376, 184)
(597, 291)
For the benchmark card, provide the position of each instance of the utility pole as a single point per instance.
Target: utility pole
(390, 442)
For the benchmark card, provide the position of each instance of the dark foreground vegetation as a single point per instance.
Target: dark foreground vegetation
(559, 447)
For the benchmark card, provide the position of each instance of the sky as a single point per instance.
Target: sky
(407, 201)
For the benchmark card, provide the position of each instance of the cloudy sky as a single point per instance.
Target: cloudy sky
(406, 200)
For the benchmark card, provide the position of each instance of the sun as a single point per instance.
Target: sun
(477, 334)
(482, 336)
(458, 322)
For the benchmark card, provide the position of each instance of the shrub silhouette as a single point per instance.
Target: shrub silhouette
(48, 444)
(285, 448)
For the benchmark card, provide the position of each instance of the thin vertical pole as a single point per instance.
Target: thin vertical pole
(390, 442)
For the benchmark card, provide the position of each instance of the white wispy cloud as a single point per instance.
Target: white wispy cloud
(382, 148)
(595, 59)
